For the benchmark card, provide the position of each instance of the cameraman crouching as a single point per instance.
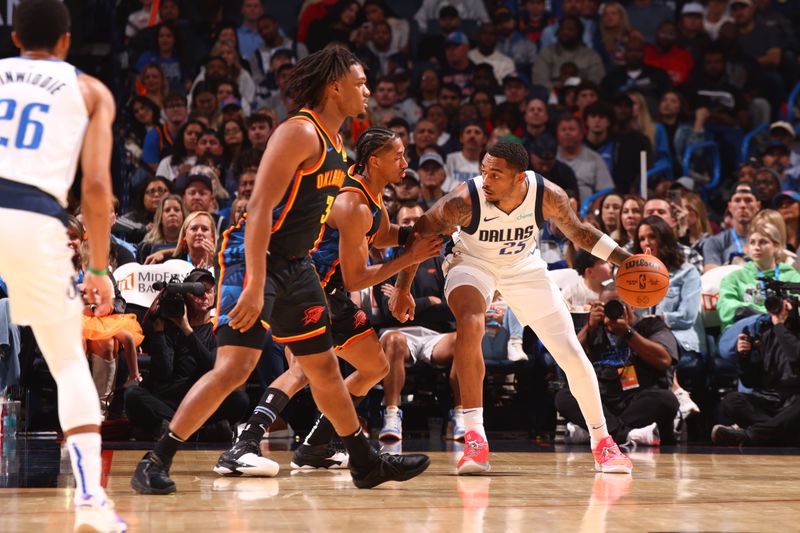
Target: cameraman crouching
(634, 364)
(182, 349)
(769, 362)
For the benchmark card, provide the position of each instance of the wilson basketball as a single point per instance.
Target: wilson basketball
(642, 280)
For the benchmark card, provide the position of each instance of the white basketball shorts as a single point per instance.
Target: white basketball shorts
(36, 265)
(524, 285)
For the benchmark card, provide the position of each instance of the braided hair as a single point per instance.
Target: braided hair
(309, 77)
(372, 141)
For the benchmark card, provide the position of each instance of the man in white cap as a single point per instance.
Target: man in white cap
(432, 176)
(691, 34)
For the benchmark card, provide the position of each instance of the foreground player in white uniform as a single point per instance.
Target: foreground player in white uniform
(498, 216)
(50, 114)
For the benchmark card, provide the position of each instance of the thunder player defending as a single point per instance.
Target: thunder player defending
(297, 181)
(499, 215)
(51, 114)
(358, 219)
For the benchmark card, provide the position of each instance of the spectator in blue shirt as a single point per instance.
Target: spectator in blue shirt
(249, 38)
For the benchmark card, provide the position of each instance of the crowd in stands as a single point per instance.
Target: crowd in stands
(702, 90)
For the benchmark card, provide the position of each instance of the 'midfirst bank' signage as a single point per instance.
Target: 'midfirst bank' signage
(135, 281)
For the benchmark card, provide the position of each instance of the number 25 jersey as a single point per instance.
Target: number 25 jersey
(497, 237)
(43, 118)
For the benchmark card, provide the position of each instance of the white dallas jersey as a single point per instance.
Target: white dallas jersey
(498, 237)
(42, 121)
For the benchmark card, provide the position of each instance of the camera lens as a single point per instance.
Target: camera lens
(614, 309)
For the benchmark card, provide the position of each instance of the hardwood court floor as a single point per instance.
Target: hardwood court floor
(525, 492)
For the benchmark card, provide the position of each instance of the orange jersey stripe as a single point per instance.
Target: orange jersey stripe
(304, 336)
(378, 201)
(355, 189)
(298, 176)
(353, 339)
(334, 139)
(315, 166)
(330, 273)
(319, 239)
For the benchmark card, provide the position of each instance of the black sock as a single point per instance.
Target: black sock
(361, 453)
(167, 446)
(323, 432)
(269, 407)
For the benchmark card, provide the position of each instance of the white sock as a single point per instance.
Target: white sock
(84, 452)
(392, 410)
(597, 432)
(473, 420)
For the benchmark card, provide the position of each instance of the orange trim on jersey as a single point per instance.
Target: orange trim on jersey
(265, 325)
(328, 135)
(378, 201)
(354, 189)
(298, 177)
(304, 336)
(321, 159)
(329, 275)
(353, 339)
(225, 235)
(319, 238)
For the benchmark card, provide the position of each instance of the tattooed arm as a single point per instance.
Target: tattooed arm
(556, 208)
(451, 211)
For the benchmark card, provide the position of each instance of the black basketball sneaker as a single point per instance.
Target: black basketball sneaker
(312, 457)
(390, 468)
(152, 476)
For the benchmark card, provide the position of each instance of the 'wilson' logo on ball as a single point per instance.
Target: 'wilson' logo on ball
(641, 263)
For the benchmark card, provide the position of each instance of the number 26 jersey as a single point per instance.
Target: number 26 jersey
(43, 118)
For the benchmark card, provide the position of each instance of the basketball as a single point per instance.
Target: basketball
(642, 280)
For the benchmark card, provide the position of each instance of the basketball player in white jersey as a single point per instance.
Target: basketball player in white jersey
(498, 216)
(50, 115)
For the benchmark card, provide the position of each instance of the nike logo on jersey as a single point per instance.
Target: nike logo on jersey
(489, 219)
(330, 148)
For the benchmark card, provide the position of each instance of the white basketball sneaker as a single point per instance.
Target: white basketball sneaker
(245, 459)
(96, 514)
(645, 436)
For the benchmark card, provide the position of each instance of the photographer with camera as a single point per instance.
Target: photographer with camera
(742, 293)
(769, 362)
(182, 349)
(634, 362)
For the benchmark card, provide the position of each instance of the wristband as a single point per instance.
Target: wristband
(403, 233)
(603, 248)
(96, 272)
(628, 334)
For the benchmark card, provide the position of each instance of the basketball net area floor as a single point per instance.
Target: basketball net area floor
(534, 488)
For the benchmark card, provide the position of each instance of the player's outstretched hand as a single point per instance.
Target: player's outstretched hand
(425, 248)
(99, 291)
(248, 309)
(402, 305)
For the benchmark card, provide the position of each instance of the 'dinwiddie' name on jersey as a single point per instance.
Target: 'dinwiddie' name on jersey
(48, 83)
(508, 234)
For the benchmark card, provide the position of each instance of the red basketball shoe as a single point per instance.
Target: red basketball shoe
(609, 459)
(476, 455)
